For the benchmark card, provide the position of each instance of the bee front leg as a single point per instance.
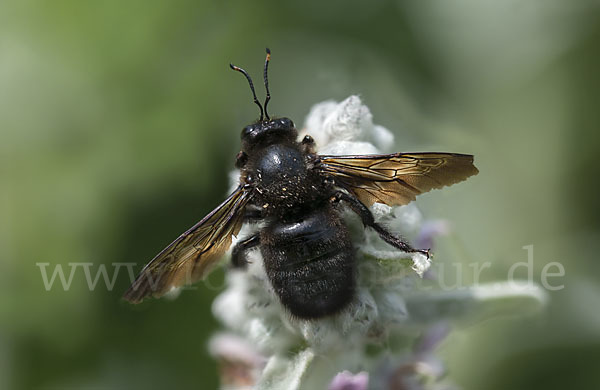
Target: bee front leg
(368, 220)
(238, 253)
(308, 144)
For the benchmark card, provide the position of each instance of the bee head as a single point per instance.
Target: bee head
(264, 133)
(266, 130)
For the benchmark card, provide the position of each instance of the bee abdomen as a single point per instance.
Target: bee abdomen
(310, 263)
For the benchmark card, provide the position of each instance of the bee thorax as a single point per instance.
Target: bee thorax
(282, 176)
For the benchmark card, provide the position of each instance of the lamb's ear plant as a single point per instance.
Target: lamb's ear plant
(387, 336)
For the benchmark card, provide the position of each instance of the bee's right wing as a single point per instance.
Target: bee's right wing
(396, 179)
(191, 255)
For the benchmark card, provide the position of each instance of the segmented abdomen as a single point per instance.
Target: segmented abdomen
(310, 263)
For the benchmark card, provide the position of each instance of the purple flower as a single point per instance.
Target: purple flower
(346, 380)
(429, 231)
(240, 364)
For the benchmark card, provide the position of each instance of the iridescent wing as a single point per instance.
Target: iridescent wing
(396, 179)
(192, 255)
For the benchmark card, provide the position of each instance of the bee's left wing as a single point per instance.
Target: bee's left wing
(192, 254)
(396, 179)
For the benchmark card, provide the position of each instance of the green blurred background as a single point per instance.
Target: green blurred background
(120, 120)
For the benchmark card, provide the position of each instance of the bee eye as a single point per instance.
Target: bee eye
(286, 123)
(246, 131)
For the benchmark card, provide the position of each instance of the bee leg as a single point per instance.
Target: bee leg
(238, 253)
(308, 144)
(252, 215)
(368, 220)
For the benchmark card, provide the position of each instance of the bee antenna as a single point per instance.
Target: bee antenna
(267, 81)
(251, 87)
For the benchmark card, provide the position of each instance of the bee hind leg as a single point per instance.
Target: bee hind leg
(368, 220)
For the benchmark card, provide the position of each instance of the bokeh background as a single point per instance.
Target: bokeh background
(120, 120)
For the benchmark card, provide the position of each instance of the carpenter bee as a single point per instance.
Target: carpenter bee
(298, 194)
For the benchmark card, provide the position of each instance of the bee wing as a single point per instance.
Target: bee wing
(191, 255)
(396, 179)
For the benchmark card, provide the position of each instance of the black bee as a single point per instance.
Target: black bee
(308, 256)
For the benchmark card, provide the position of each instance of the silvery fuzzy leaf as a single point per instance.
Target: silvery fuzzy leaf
(475, 303)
